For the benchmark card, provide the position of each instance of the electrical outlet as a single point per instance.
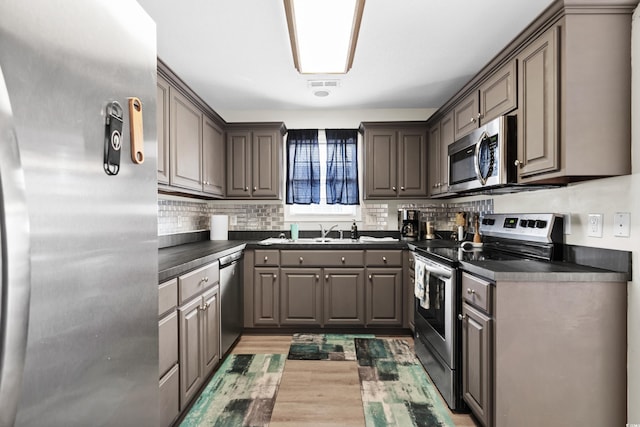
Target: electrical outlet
(621, 224)
(567, 222)
(594, 225)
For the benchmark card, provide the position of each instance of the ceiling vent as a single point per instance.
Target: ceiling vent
(323, 84)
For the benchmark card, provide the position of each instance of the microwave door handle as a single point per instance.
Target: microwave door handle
(476, 158)
(15, 270)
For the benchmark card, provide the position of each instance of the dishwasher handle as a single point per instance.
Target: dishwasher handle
(230, 259)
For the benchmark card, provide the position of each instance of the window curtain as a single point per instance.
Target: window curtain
(303, 167)
(342, 167)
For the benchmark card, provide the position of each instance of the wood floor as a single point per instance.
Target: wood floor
(316, 393)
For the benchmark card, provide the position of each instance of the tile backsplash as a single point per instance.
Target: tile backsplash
(182, 216)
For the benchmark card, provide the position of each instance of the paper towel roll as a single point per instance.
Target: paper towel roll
(219, 227)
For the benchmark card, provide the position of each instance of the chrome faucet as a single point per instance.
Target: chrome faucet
(323, 233)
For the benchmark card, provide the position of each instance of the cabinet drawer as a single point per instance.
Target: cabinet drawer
(167, 342)
(267, 258)
(476, 292)
(384, 258)
(167, 296)
(322, 258)
(193, 283)
(169, 397)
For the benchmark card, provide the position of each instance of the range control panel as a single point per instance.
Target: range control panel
(546, 228)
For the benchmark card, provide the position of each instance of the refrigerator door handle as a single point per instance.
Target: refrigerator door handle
(15, 279)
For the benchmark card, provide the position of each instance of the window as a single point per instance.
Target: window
(342, 165)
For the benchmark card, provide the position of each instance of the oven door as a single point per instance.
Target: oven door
(436, 320)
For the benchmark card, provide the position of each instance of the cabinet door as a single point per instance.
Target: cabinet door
(343, 296)
(412, 166)
(498, 94)
(538, 98)
(211, 330)
(434, 159)
(381, 151)
(301, 296)
(167, 342)
(185, 142)
(266, 165)
(476, 362)
(447, 137)
(266, 292)
(384, 296)
(190, 351)
(162, 123)
(465, 115)
(238, 164)
(213, 158)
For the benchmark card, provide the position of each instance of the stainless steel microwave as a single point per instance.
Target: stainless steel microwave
(481, 159)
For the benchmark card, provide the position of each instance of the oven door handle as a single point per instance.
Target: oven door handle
(441, 272)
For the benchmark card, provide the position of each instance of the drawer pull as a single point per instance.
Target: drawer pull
(370, 277)
(275, 276)
(384, 259)
(326, 277)
(343, 260)
(301, 259)
(266, 258)
(462, 316)
(317, 277)
(471, 291)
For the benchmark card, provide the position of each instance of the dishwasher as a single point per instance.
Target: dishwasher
(231, 304)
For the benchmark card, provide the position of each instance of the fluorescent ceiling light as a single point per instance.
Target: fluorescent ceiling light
(323, 34)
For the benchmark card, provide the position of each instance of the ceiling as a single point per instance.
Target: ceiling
(411, 53)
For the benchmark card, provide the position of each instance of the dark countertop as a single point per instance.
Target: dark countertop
(540, 271)
(176, 260)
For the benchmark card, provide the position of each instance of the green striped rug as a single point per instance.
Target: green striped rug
(241, 393)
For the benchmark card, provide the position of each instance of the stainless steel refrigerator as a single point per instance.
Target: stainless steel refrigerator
(78, 246)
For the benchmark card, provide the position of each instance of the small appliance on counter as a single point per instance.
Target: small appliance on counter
(409, 220)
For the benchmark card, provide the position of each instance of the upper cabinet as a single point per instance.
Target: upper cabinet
(254, 161)
(441, 134)
(162, 119)
(395, 160)
(191, 148)
(569, 89)
(494, 97)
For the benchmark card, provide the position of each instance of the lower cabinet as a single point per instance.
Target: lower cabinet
(476, 362)
(199, 342)
(318, 288)
(266, 293)
(317, 297)
(384, 296)
(168, 352)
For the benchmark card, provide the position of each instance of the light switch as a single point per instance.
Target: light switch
(621, 224)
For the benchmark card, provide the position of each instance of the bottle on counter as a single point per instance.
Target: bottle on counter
(354, 231)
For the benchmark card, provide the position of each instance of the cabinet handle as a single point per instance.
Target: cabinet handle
(370, 277)
(317, 277)
(246, 188)
(326, 277)
(518, 163)
(206, 278)
(479, 116)
(266, 259)
(342, 260)
(393, 188)
(275, 276)
(301, 259)
(384, 259)
(401, 188)
(255, 188)
(471, 291)
(473, 120)
(462, 316)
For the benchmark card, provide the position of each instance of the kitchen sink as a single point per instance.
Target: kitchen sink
(325, 240)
